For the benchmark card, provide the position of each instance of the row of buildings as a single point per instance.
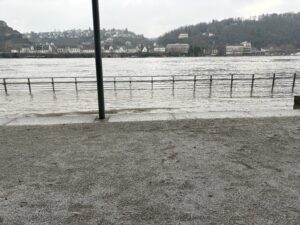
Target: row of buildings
(245, 48)
(108, 46)
(113, 42)
(125, 42)
(51, 48)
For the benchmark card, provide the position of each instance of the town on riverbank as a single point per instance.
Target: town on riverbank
(229, 37)
(171, 50)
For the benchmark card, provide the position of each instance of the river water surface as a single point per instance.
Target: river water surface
(188, 99)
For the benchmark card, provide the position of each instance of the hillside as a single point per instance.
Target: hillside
(112, 37)
(10, 39)
(266, 31)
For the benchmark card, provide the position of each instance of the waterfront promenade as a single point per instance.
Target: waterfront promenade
(214, 171)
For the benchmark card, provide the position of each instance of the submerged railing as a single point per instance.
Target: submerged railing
(233, 83)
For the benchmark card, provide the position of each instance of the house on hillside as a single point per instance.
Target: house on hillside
(183, 36)
(208, 34)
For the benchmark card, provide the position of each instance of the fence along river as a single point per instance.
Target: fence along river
(219, 85)
(42, 86)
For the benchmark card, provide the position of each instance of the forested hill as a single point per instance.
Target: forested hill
(111, 37)
(275, 30)
(10, 38)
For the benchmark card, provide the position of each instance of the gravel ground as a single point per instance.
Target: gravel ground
(210, 172)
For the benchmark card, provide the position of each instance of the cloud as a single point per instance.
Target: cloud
(149, 17)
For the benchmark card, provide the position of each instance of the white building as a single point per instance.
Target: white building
(145, 50)
(183, 36)
(159, 50)
(208, 34)
(27, 50)
(73, 50)
(24, 50)
(132, 51)
(232, 50)
(238, 50)
(121, 50)
(178, 48)
(247, 47)
(214, 52)
(246, 44)
(111, 49)
(88, 51)
(109, 41)
(44, 49)
(61, 50)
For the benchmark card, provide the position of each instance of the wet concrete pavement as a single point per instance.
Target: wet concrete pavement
(178, 172)
(133, 117)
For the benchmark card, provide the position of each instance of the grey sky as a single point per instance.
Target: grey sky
(149, 17)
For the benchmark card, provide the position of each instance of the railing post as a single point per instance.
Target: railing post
(115, 84)
(5, 85)
(210, 85)
(173, 82)
(231, 85)
(273, 83)
(173, 85)
(294, 83)
(152, 85)
(53, 87)
(76, 85)
(29, 85)
(252, 84)
(130, 83)
(195, 81)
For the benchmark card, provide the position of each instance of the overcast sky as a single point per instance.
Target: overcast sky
(149, 17)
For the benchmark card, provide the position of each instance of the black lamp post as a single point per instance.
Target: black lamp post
(98, 58)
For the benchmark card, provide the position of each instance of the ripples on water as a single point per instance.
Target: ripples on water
(66, 101)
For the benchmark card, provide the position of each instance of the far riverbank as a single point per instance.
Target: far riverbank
(113, 55)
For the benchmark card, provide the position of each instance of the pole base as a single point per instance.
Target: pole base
(297, 102)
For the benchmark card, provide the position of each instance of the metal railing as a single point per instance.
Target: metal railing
(239, 83)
